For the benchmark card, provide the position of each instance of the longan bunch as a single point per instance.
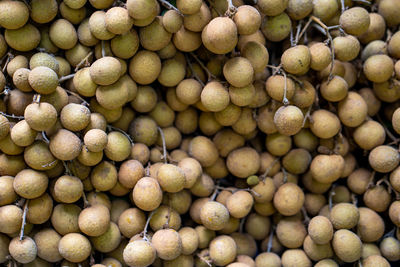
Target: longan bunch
(199, 133)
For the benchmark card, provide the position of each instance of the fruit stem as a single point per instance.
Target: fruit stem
(265, 174)
(84, 61)
(64, 78)
(325, 30)
(270, 238)
(210, 76)
(303, 31)
(215, 193)
(164, 157)
(194, 74)
(241, 225)
(331, 194)
(391, 136)
(121, 131)
(168, 5)
(285, 101)
(307, 116)
(298, 32)
(84, 102)
(12, 116)
(144, 233)
(103, 50)
(305, 215)
(342, 5)
(67, 170)
(231, 11)
(45, 139)
(206, 261)
(36, 98)
(21, 234)
(354, 199)
(9, 57)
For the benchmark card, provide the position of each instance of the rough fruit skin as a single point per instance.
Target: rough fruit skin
(355, 20)
(214, 215)
(65, 145)
(43, 80)
(23, 39)
(13, 14)
(220, 35)
(74, 247)
(23, 251)
(289, 199)
(346, 245)
(105, 71)
(139, 253)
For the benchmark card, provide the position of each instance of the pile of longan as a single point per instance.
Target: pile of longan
(199, 133)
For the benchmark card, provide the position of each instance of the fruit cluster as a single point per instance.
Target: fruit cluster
(200, 133)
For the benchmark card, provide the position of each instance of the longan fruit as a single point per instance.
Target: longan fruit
(139, 253)
(214, 215)
(243, 162)
(376, 29)
(130, 172)
(167, 250)
(23, 251)
(24, 38)
(275, 86)
(63, 213)
(378, 68)
(10, 218)
(390, 248)
(325, 124)
(238, 71)
(65, 145)
(144, 130)
(369, 135)
(268, 259)
(208, 124)
(315, 251)
(373, 103)
(7, 195)
(118, 146)
(186, 41)
(131, 222)
(291, 233)
(145, 100)
(13, 14)
(74, 247)
(370, 225)
(392, 45)
(47, 241)
(104, 176)
(108, 241)
(393, 211)
(376, 47)
(94, 220)
(105, 71)
(387, 9)
(377, 198)
(375, 260)
(277, 28)
(40, 209)
(288, 199)
(21, 133)
(320, 56)
(288, 120)
(383, 158)
(214, 96)
(220, 35)
(30, 184)
(203, 150)
(223, 250)
(163, 114)
(172, 21)
(203, 187)
(188, 7)
(344, 216)
(296, 60)
(75, 117)
(95, 140)
(239, 204)
(140, 152)
(278, 144)
(296, 161)
(154, 36)
(355, 21)
(171, 178)
(179, 201)
(386, 91)
(118, 20)
(295, 257)
(327, 168)
(347, 245)
(190, 240)
(229, 115)
(68, 189)
(147, 194)
(258, 226)
(320, 230)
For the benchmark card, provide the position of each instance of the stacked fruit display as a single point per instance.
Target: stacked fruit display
(200, 133)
